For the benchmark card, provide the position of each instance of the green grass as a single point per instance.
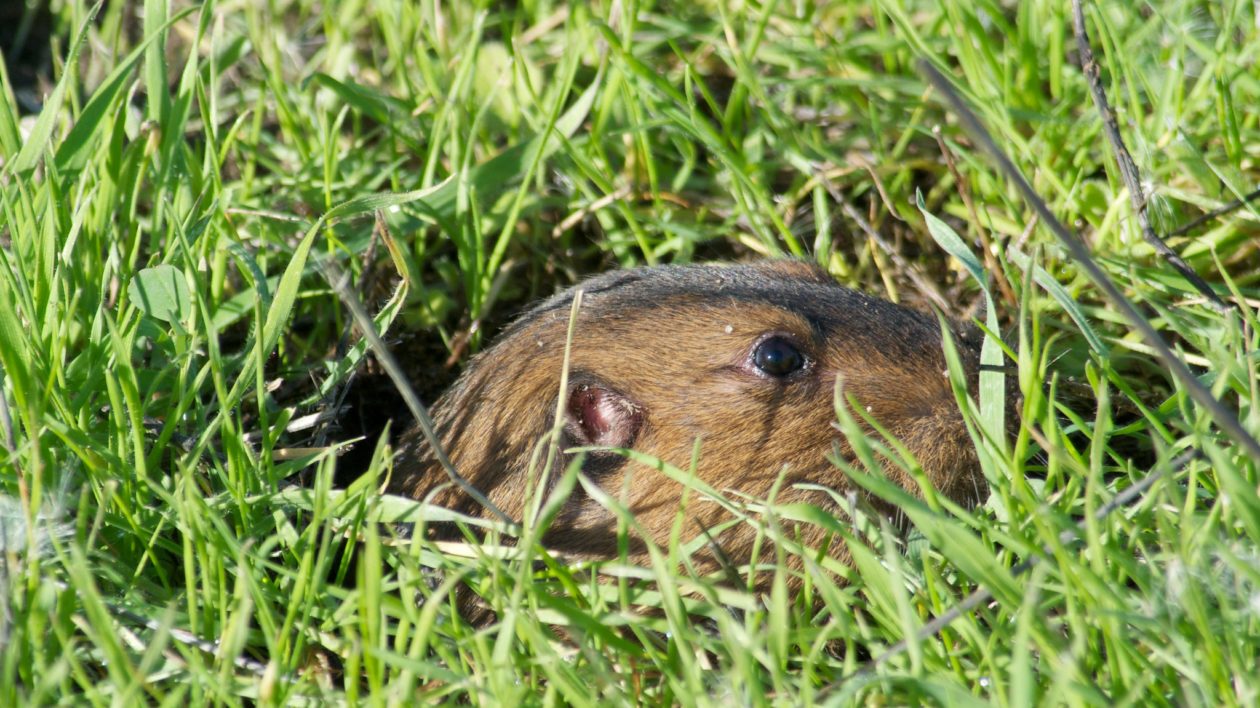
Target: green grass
(163, 320)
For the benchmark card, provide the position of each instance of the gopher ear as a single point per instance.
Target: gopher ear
(601, 416)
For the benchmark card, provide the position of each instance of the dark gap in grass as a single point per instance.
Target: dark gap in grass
(25, 34)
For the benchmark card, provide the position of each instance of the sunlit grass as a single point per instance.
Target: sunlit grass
(164, 322)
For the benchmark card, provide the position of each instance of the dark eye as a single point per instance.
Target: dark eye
(777, 356)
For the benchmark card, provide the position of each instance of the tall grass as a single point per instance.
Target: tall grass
(165, 332)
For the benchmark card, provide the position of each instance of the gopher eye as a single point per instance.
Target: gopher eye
(777, 356)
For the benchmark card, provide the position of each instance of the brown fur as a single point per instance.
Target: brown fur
(667, 350)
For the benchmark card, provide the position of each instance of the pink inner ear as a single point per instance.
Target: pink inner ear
(600, 416)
